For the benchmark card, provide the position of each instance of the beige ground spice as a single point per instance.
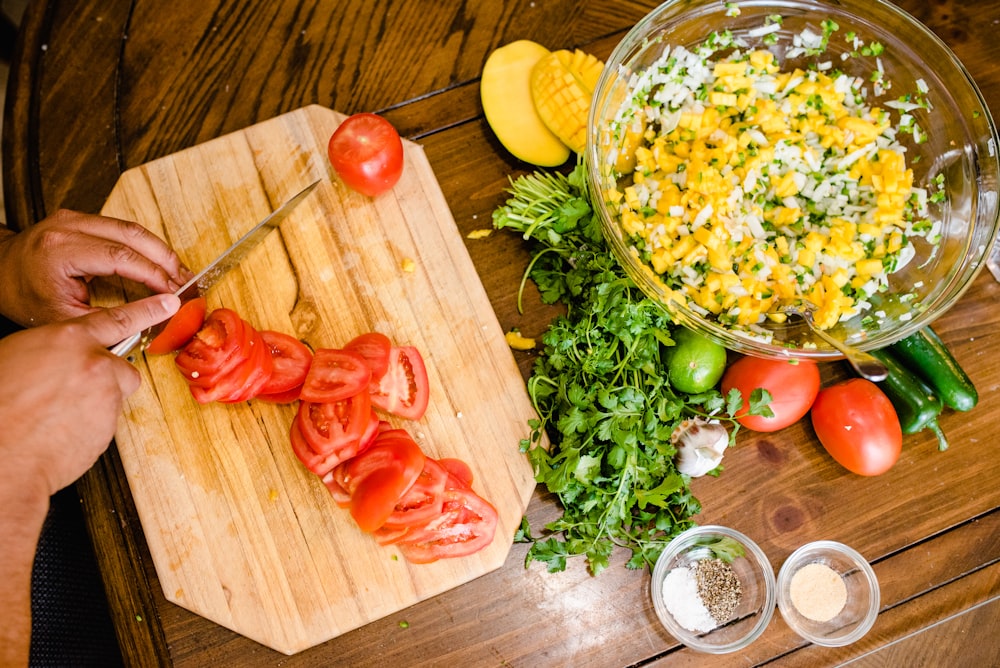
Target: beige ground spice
(818, 592)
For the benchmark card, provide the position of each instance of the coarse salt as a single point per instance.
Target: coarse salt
(680, 593)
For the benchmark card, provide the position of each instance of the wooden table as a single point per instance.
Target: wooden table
(99, 86)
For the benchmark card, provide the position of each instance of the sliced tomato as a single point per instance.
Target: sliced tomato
(423, 501)
(389, 448)
(376, 496)
(331, 432)
(319, 464)
(220, 345)
(338, 493)
(466, 525)
(246, 381)
(377, 478)
(335, 375)
(457, 469)
(375, 349)
(372, 431)
(286, 397)
(181, 327)
(386, 536)
(291, 360)
(403, 390)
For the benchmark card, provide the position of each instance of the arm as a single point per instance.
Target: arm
(45, 270)
(60, 401)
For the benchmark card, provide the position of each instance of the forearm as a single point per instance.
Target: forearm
(22, 513)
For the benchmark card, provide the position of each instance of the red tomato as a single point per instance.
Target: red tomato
(331, 432)
(374, 348)
(244, 382)
(458, 469)
(220, 345)
(858, 426)
(338, 493)
(792, 385)
(423, 501)
(335, 375)
(286, 397)
(403, 390)
(466, 525)
(377, 478)
(227, 360)
(180, 328)
(395, 442)
(367, 153)
(291, 362)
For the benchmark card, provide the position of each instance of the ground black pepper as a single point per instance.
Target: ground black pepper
(719, 588)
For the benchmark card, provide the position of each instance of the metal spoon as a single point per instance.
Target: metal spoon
(866, 365)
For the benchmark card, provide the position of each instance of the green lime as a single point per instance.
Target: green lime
(696, 363)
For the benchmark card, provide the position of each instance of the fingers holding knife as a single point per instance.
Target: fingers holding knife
(110, 246)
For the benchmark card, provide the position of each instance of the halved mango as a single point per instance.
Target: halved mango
(562, 86)
(510, 110)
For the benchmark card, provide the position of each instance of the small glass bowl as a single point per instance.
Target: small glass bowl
(757, 582)
(862, 594)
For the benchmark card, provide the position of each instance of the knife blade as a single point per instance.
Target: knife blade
(217, 268)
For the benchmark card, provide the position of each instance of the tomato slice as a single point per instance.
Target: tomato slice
(291, 362)
(423, 501)
(247, 380)
(466, 525)
(388, 448)
(181, 327)
(403, 390)
(331, 432)
(319, 464)
(458, 470)
(286, 397)
(220, 345)
(377, 478)
(338, 493)
(335, 375)
(375, 349)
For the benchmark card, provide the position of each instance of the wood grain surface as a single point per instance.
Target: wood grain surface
(101, 86)
(240, 532)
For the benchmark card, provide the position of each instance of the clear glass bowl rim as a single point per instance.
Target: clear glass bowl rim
(735, 340)
(754, 553)
(799, 558)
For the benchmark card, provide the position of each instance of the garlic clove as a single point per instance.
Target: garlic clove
(700, 446)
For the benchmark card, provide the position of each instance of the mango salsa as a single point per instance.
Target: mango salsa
(742, 184)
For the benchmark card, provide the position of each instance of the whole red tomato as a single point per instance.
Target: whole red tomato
(858, 426)
(792, 384)
(367, 153)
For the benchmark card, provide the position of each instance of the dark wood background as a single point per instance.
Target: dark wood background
(99, 86)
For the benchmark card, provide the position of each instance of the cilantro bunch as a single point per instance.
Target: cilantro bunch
(600, 389)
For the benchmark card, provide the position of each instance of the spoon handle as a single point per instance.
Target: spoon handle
(866, 365)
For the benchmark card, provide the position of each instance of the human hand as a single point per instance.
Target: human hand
(62, 391)
(45, 270)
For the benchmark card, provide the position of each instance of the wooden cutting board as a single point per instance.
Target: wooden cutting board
(240, 532)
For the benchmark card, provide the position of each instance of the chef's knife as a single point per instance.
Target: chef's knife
(216, 269)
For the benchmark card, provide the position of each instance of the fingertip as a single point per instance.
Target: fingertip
(169, 302)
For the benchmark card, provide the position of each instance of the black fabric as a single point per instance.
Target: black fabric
(70, 623)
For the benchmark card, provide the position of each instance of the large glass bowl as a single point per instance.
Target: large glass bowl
(960, 147)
